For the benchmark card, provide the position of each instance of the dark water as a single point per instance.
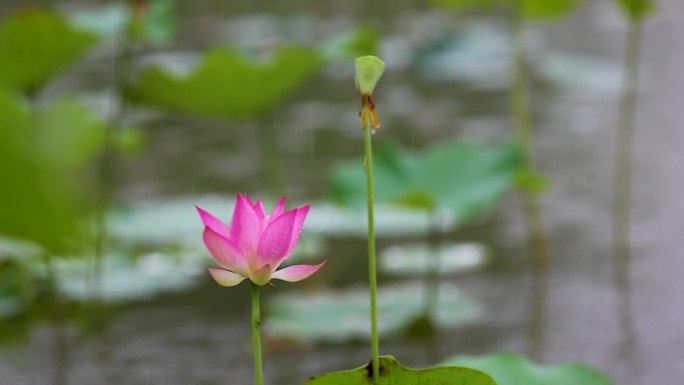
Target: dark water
(202, 337)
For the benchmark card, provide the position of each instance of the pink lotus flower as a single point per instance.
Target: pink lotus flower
(256, 243)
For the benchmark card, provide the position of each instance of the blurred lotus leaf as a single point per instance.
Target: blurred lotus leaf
(393, 373)
(308, 316)
(530, 9)
(125, 278)
(161, 222)
(531, 180)
(15, 290)
(228, 84)
(390, 220)
(465, 5)
(35, 45)
(421, 259)
(43, 152)
(360, 41)
(545, 9)
(462, 177)
(514, 369)
(151, 21)
(636, 9)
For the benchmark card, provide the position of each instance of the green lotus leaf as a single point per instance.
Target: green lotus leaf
(394, 373)
(115, 20)
(636, 9)
(227, 84)
(308, 316)
(514, 369)
(44, 153)
(464, 178)
(35, 45)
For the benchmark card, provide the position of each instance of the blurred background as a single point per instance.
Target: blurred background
(511, 134)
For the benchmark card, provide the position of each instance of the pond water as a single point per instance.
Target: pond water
(202, 336)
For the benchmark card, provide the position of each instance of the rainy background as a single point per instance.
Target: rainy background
(527, 172)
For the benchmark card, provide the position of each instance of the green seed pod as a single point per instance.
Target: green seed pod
(368, 71)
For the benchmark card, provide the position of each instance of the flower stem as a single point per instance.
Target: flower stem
(434, 262)
(372, 274)
(60, 344)
(256, 335)
(536, 236)
(622, 192)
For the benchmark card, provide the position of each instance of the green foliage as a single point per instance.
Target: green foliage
(228, 84)
(116, 20)
(545, 9)
(464, 5)
(308, 316)
(393, 373)
(529, 9)
(636, 9)
(531, 181)
(514, 369)
(464, 178)
(15, 292)
(35, 45)
(360, 41)
(43, 152)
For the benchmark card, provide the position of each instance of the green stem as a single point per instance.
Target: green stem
(60, 345)
(372, 274)
(536, 237)
(256, 335)
(622, 190)
(432, 279)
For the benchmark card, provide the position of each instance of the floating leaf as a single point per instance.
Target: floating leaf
(584, 76)
(228, 84)
(42, 154)
(420, 259)
(125, 278)
(393, 373)
(514, 369)
(465, 178)
(174, 221)
(35, 45)
(308, 316)
(390, 221)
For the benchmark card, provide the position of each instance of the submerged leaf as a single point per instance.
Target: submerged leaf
(465, 178)
(35, 45)
(393, 373)
(308, 316)
(514, 369)
(227, 84)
